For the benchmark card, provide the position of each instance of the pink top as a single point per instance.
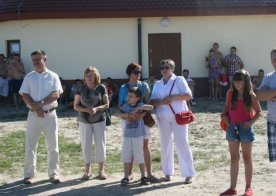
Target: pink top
(239, 114)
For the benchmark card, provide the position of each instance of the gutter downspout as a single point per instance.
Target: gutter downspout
(139, 24)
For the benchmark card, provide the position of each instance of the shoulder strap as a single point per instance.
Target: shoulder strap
(170, 94)
(172, 86)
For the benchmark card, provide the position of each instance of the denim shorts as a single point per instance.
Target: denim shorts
(236, 132)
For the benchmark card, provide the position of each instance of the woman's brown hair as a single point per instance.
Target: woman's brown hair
(131, 67)
(95, 71)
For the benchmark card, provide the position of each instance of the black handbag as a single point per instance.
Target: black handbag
(108, 117)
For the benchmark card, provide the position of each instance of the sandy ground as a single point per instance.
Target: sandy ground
(209, 182)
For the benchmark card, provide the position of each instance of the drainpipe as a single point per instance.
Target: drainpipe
(139, 23)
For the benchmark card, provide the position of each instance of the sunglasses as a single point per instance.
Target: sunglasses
(164, 62)
(165, 67)
(136, 72)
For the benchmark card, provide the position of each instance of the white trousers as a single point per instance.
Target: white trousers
(170, 131)
(35, 125)
(87, 133)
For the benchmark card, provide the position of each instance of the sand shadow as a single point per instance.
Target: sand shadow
(37, 187)
(115, 189)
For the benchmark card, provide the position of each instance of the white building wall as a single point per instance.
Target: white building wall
(254, 37)
(72, 45)
(110, 44)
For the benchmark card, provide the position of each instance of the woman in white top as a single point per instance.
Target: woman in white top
(168, 128)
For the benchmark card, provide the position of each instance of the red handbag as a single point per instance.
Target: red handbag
(223, 125)
(182, 118)
(227, 108)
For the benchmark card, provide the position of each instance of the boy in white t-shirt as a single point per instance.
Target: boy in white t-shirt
(191, 84)
(133, 134)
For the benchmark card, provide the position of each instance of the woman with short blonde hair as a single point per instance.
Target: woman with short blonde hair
(91, 101)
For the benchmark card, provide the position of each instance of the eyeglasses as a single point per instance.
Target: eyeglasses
(165, 67)
(136, 72)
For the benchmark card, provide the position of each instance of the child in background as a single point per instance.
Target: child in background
(151, 81)
(191, 84)
(239, 117)
(109, 91)
(213, 64)
(74, 88)
(133, 134)
(258, 79)
(223, 81)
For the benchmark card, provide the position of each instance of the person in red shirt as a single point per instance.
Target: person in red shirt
(223, 82)
(239, 116)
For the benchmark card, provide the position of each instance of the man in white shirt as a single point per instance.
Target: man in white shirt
(40, 90)
(267, 92)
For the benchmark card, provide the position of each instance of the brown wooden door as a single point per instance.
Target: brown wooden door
(164, 46)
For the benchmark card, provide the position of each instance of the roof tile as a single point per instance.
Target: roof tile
(36, 6)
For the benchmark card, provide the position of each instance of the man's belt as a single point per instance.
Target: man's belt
(46, 111)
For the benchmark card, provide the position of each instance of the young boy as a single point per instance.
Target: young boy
(191, 84)
(133, 134)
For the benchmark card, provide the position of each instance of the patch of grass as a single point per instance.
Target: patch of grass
(208, 160)
(12, 154)
(71, 160)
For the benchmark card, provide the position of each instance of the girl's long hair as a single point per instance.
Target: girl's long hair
(242, 75)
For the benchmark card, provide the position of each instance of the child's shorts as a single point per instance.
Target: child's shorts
(133, 146)
(236, 132)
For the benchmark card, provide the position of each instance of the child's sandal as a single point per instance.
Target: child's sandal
(145, 181)
(124, 182)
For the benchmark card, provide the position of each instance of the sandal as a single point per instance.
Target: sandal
(145, 181)
(124, 182)
(188, 180)
(153, 179)
(86, 176)
(168, 178)
(102, 176)
(27, 181)
(229, 192)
